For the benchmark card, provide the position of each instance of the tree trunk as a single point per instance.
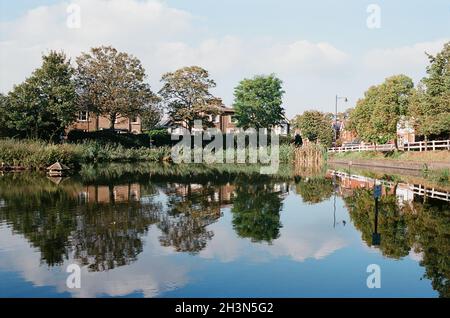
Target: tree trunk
(112, 120)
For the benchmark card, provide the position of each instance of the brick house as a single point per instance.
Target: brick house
(87, 121)
(223, 121)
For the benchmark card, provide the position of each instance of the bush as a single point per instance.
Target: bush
(160, 137)
(126, 140)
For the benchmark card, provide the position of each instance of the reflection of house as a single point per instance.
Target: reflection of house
(87, 121)
(106, 194)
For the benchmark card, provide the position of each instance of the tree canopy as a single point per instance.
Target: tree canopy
(186, 94)
(258, 102)
(316, 126)
(44, 104)
(113, 83)
(430, 106)
(375, 116)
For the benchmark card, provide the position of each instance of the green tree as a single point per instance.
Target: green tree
(186, 94)
(258, 102)
(430, 106)
(375, 117)
(316, 126)
(113, 83)
(44, 105)
(4, 131)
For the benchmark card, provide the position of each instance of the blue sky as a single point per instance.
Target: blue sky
(318, 48)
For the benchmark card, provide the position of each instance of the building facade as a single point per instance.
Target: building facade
(87, 121)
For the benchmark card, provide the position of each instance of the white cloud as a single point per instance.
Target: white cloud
(409, 60)
(166, 38)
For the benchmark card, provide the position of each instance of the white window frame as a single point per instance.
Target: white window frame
(80, 116)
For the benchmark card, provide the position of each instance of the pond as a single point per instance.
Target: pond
(170, 231)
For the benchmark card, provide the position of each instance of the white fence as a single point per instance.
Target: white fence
(387, 147)
(411, 146)
(424, 146)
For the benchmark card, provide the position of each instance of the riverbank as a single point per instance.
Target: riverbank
(427, 160)
(431, 165)
(16, 155)
(37, 155)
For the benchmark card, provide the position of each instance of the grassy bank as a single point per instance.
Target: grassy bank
(416, 156)
(32, 154)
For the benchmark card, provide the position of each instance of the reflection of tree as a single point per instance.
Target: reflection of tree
(256, 212)
(109, 236)
(102, 236)
(430, 229)
(190, 210)
(391, 223)
(41, 211)
(315, 190)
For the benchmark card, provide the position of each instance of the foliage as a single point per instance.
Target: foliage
(150, 117)
(127, 140)
(391, 224)
(111, 82)
(314, 190)
(375, 116)
(258, 102)
(430, 108)
(160, 137)
(315, 126)
(256, 212)
(38, 154)
(186, 94)
(44, 105)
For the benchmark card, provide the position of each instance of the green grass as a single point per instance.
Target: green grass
(33, 154)
(414, 156)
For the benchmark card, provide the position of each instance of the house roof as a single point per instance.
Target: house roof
(58, 167)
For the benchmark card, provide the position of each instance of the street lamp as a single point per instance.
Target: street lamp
(335, 114)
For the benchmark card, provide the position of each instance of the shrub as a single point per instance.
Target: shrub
(126, 140)
(160, 137)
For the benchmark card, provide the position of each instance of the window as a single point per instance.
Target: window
(83, 115)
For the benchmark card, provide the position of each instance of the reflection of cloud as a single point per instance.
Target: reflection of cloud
(415, 256)
(149, 274)
(302, 237)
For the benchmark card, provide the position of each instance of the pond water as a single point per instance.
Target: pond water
(157, 232)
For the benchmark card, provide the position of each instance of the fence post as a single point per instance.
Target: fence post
(434, 143)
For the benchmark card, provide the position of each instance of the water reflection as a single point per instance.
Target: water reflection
(102, 219)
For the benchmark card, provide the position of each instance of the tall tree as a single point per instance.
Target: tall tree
(258, 102)
(376, 116)
(186, 94)
(113, 83)
(430, 106)
(4, 131)
(43, 105)
(316, 126)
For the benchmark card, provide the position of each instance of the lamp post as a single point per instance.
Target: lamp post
(335, 115)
